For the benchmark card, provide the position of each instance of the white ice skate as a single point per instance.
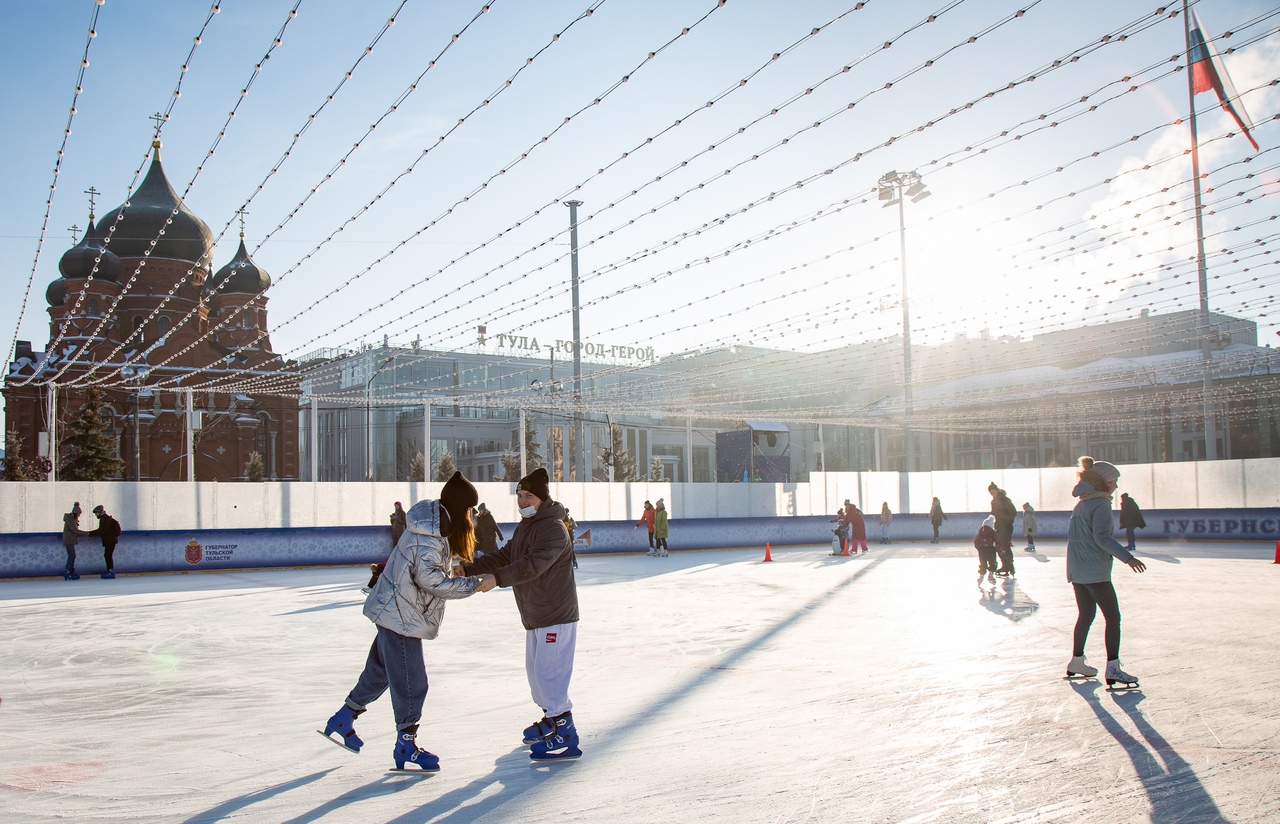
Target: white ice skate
(1078, 668)
(1117, 679)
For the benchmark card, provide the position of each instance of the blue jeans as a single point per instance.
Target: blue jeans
(394, 661)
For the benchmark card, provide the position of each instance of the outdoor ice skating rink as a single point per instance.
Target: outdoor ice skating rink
(709, 686)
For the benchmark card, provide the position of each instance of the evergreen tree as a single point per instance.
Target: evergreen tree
(445, 466)
(533, 459)
(254, 470)
(656, 472)
(88, 453)
(418, 467)
(624, 465)
(510, 466)
(16, 468)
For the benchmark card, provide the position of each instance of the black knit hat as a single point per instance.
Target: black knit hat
(536, 482)
(458, 496)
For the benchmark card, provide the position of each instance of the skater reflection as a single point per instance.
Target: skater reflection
(1007, 601)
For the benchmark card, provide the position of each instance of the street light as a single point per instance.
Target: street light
(368, 422)
(138, 379)
(893, 187)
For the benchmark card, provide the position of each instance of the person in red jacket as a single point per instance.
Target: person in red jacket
(857, 527)
(647, 520)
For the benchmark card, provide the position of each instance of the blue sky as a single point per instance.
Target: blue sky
(437, 255)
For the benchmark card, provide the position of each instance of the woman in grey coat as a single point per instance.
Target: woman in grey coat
(1090, 548)
(407, 605)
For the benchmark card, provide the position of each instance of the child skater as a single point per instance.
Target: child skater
(985, 542)
(1029, 526)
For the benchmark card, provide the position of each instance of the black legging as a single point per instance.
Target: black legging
(1089, 599)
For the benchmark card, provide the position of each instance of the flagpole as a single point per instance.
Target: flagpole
(1206, 358)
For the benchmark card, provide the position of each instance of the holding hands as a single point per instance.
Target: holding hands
(487, 582)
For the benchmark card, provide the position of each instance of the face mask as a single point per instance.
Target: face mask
(528, 511)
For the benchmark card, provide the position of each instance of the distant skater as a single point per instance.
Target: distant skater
(487, 532)
(1130, 518)
(397, 529)
(646, 520)
(71, 533)
(660, 528)
(1090, 548)
(1005, 513)
(936, 517)
(109, 531)
(985, 542)
(886, 518)
(1029, 526)
(840, 545)
(857, 528)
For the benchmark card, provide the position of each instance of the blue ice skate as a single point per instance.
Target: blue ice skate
(108, 575)
(70, 576)
(561, 743)
(343, 723)
(538, 730)
(407, 752)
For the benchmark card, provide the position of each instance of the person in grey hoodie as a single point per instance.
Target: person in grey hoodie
(407, 606)
(71, 533)
(1090, 549)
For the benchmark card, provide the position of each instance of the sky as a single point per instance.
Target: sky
(1052, 143)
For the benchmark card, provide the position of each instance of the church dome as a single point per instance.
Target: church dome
(241, 275)
(56, 294)
(79, 259)
(155, 206)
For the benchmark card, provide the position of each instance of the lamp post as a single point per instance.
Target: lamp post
(369, 469)
(893, 187)
(138, 378)
(581, 453)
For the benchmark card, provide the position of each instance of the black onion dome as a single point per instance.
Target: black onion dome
(186, 237)
(56, 294)
(79, 259)
(241, 275)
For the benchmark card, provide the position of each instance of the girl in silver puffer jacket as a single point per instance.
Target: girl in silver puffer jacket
(407, 605)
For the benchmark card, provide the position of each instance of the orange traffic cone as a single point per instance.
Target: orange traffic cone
(1276, 561)
(767, 556)
(846, 548)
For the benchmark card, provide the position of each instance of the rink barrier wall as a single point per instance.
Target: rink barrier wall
(27, 507)
(27, 555)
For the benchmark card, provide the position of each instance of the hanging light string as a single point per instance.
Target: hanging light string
(57, 169)
(973, 38)
(820, 213)
(52, 349)
(377, 198)
(141, 356)
(632, 222)
(75, 357)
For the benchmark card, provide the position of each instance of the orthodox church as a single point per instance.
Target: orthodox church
(136, 309)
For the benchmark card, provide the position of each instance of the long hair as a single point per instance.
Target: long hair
(1090, 477)
(462, 535)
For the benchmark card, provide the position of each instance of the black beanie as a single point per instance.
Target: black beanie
(536, 482)
(458, 496)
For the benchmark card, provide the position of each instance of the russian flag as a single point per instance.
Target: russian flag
(1208, 73)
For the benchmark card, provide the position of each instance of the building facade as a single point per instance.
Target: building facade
(138, 313)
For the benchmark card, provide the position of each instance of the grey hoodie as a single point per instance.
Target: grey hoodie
(410, 594)
(1090, 543)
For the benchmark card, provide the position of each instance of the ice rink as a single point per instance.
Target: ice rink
(709, 687)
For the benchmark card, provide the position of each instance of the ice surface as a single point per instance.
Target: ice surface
(708, 687)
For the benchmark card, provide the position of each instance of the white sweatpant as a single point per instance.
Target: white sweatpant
(548, 661)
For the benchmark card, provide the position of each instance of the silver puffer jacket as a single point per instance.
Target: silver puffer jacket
(410, 594)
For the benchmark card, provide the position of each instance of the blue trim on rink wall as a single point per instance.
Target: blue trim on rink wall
(39, 554)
